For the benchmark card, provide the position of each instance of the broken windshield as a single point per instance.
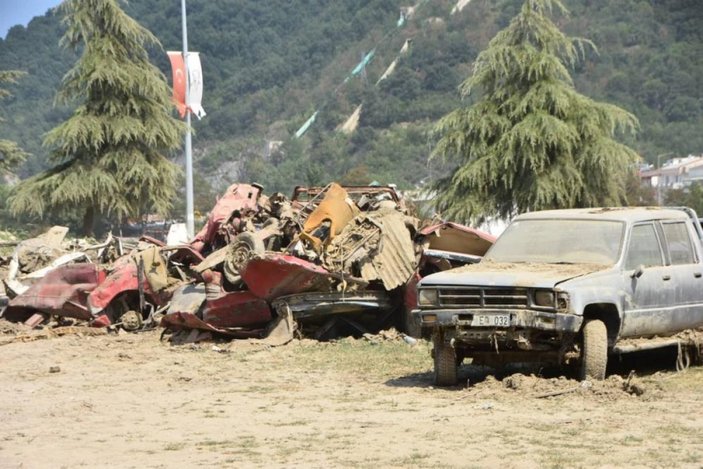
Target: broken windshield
(559, 242)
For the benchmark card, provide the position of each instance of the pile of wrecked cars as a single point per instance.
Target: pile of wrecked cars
(329, 261)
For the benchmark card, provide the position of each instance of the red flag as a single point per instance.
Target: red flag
(179, 81)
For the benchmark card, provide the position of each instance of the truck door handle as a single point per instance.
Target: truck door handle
(666, 277)
(697, 274)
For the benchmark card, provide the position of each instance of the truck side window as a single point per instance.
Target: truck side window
(644, 248)
(679, 243)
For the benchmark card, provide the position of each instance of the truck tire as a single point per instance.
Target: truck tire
(445, 364)
(594, 350)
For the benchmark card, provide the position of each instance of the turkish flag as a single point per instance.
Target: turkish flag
(179, 81)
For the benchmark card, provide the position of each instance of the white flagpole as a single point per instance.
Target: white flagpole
(190, 221)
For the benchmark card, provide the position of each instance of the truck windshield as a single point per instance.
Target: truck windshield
(559, 242)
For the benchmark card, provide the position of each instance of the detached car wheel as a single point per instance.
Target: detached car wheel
(445, 363)
(594, 350)
(241, 249)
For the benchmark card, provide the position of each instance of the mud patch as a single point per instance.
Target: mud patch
(566, 270)
(536, 387)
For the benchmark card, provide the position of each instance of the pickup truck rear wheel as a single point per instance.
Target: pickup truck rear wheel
(594, 350)
(445, 363)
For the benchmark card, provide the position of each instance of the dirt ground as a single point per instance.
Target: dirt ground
(134, 401)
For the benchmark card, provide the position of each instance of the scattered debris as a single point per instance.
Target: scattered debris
(48, 333)
(13, 328)
(409, 340)
(584, 385)
(388, 335)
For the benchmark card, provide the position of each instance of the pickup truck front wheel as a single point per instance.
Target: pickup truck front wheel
(594, 350)
(445, 363)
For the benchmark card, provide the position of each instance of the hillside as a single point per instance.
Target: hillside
(270, 65)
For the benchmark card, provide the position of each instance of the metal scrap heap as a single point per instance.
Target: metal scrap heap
(330, 261)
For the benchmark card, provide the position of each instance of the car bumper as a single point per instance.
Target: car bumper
(482, 319)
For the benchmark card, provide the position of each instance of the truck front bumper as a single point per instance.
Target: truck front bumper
(483, 319)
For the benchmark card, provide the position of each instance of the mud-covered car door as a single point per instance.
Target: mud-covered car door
(686, 276)
(649, 288)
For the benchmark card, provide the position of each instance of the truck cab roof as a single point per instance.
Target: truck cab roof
(624, 214)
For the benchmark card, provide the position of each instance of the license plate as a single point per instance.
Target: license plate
(491, 320)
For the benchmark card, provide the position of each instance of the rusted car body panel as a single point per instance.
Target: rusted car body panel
(186, 255)
(312, 305)
(144, 272)
(218, 308)
(187, 321)
(187, 299)
(235, 202)
(375, 246)
(410, 292)
(276, 275)
(336, 209)
(448, 236)
(237, 309)
(62, 292)
(395, 261)
(124, 278)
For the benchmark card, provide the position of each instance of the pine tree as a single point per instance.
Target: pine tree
(531, 141)
(109, 155)
(11, 154)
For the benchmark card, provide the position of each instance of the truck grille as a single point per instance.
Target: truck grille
(483, 297)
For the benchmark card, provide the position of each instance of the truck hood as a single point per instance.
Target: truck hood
(511, 274)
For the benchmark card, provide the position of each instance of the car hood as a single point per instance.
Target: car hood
(497, 274)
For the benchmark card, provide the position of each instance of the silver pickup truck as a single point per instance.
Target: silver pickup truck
(565, 285)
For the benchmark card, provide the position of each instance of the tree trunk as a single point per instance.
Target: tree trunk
(88, 221)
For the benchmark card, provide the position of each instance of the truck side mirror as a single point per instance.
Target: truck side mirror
(638, 271)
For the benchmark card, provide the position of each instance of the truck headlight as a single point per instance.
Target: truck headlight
(427, 297)
(544, 298)
(562, 300)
